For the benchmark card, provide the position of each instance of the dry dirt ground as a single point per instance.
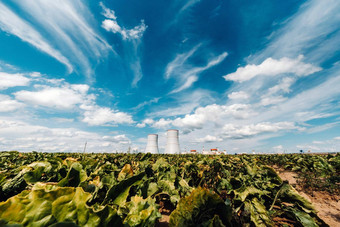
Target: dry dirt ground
(327, 205)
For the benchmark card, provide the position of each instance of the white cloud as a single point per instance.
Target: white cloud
(189, 81)
(8, 105)
(209, 139)
(238, 95)
(8, 80)
(117, 139)
(272, 67)
(63, 30)
(131, 46)
(111, 24)
(243, 131)
(147, 121)
(279, 147)
(272, 100)
(185, 6)
(162, 123)
(318, 142)
(108, 13)
(283, 86)
(212, 113)
(22, 136)
(13, 24)
(184, 73)
(146, 103)
(313, 29)
(176, 65)
(106, 116)
(183, 103)
(65, 97)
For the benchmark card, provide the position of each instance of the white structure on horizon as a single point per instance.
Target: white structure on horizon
(152, 145)
(172, 142)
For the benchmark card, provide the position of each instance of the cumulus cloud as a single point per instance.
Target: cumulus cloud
(212, 113)
(147, 121)
(106, 116)
(8, 80)
(22, 136)
(162, 123)
(8, 105)
(244, 131)
(273, 67)
(65, 97)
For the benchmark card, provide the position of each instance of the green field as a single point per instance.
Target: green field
(71, 189)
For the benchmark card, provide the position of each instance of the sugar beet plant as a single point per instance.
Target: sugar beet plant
(45, 189)
(315, 172)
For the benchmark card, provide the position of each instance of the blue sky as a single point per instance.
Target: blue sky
(237, 75)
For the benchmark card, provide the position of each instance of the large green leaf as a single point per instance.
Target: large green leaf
(200, 207)
(118, 193)
(74, 177)
(125, 172)
(258, 213)
(48, 204)
(36, 170)
(288, 194)
(141, 212)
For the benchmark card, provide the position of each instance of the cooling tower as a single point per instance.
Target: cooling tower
(172, 143)
(152, 145)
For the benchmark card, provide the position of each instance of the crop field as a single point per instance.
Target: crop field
(71, 189)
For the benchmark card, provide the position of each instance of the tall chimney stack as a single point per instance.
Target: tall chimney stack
(172, 143)
(152, 145)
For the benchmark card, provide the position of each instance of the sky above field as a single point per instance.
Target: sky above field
(237, 75)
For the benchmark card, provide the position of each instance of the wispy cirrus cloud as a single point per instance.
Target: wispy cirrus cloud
(311, 31)
(185, 73)
(15, 25)
(132, 41)
(176, 65)
(61, 29)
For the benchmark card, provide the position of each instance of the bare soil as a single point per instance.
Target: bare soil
(327, 205)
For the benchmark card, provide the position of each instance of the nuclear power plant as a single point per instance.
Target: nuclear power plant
(152, 145)
(172, 142)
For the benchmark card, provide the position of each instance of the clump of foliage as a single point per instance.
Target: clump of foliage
(201, 208)
(70, 189)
